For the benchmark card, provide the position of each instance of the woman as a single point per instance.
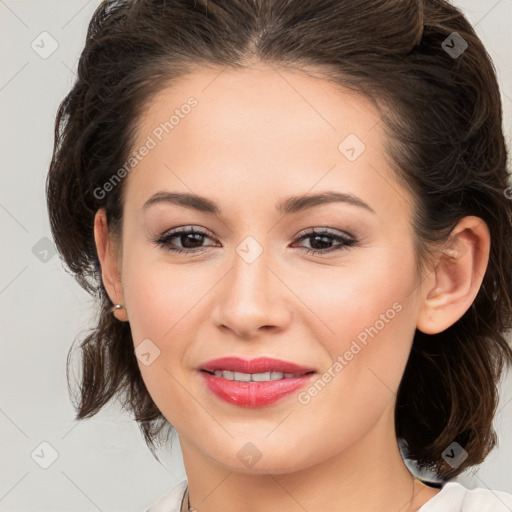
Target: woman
(296, 218)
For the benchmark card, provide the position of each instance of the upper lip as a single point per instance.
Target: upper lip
(258, 365)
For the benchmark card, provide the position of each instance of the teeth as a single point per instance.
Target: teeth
(254, 377)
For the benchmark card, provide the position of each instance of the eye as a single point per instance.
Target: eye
(323, 238)
(189, 237)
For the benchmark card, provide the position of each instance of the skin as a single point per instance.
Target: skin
(257, 137)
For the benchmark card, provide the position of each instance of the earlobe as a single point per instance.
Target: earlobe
(107, 256)
(457, 276)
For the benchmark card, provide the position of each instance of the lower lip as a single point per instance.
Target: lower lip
(253, 394)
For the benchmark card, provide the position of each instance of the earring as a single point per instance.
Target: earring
(115, 307)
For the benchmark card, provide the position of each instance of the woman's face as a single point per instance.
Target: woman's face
(249, 142)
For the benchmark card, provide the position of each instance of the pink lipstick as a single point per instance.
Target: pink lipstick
(254, 383)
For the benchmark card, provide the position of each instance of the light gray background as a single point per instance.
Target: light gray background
(103, 463)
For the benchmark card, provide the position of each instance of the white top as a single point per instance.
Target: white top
(453, 497)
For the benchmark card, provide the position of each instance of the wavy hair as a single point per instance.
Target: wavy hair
(444, 119)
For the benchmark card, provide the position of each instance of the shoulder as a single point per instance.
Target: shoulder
(170, 502)
(454, 497)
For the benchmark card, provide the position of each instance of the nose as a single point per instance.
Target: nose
(253, 299)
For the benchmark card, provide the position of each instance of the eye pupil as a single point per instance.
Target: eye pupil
(326, 241)
(191, 237)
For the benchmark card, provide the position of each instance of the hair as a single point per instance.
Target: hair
(444, 138)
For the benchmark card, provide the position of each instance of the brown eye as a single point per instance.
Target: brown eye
(321, 242)
(190, 239)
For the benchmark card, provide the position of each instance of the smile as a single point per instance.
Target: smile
(253, 377)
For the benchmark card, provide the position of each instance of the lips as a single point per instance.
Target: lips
(258, 365)
(290, 378)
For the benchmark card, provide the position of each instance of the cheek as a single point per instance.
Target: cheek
(158, 295)
(371, 318)
(365, 322)
(160, 300)
(353, 300)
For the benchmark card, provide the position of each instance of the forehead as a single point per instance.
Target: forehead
(260, 125)
(263, 100)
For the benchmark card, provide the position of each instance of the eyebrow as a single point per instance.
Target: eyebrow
(289, 206)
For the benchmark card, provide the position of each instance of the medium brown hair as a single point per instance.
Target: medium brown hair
(444, 125)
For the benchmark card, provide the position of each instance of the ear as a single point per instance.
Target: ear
(108, 256)
(452, 286)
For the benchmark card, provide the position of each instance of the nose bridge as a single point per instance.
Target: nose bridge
(249, 298)
(249, 277)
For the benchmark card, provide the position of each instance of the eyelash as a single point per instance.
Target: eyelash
(346, 242)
